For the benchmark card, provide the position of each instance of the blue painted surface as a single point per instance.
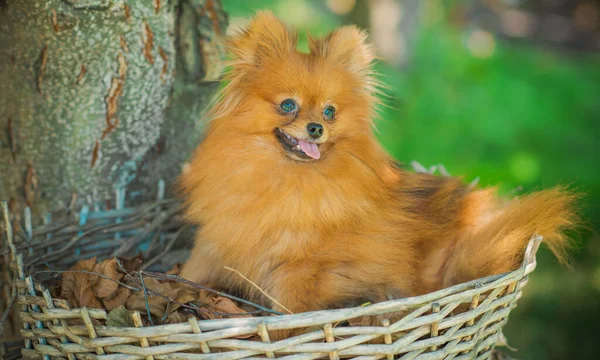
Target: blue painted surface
(83, 217)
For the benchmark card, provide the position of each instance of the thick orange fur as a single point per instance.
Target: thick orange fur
(352, 226)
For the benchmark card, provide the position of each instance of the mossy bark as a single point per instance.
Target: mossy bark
(101, 95)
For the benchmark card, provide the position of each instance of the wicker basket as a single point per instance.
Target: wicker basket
(461, 322)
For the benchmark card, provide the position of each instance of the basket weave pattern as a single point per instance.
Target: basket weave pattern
(460, 322)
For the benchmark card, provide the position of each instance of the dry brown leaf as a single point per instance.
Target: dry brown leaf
(215, 306)
(361, 321)
(132, 264)
(183, 296)
(227, 306)
(90, 290)
(119, 298)
(157, 304)
(177, 317)
(218, 304)
(104, 287)
(137, 302)
(209, 306)
(176, 313)
(247, 307)
(76, 287)
(175, 270)
(205, 297)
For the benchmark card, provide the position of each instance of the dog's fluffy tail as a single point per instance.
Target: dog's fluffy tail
(496, 244)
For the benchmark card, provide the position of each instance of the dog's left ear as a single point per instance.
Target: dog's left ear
(346, 46)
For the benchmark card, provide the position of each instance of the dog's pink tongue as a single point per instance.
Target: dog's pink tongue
(310, 149)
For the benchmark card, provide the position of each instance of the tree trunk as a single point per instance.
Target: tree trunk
(101, 95)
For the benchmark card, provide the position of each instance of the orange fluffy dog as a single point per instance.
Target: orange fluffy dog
(291, 188)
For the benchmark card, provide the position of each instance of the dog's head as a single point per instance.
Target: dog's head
(308, 104)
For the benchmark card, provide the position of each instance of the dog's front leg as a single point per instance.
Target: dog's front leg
(298, 289)
(204, 265)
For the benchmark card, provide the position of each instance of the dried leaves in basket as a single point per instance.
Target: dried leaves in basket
(112, 285)
(81, 287)
(178, 303)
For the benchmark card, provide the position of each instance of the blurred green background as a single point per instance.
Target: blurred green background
(508, 91)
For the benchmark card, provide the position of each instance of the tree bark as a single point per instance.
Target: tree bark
(102, 95)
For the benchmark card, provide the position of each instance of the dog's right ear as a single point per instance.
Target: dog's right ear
(348, 47)
(266, 37)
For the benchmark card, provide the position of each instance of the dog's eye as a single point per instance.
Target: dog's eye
(329, 112)
(288, 105)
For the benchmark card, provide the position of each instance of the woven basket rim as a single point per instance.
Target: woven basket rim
(463, 290)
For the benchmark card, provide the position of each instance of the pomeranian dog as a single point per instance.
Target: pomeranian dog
(291, 188)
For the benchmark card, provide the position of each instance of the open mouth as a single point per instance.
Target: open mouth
(300, 148)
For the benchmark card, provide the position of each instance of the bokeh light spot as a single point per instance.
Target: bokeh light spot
(586, 16)
(524, 168)
(297, 13)
(481, 44)
(341, 7)
(517, 23)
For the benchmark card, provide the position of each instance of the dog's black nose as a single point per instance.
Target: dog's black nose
(314, 130)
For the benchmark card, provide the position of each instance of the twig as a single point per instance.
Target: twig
(89, 273)
(73, 232)
(52, 228)
(26, 236)
(146, 299)
(179, 279)
(165, 250)
(259, 289)
(153, 243)
(171, 277)
(474, 183)
(443, 170)
(418, 167)
(167, 312)
(8, 229)
(193, 307)
(7, 311)
(163, 217)
(145, 211)
(73, 241)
